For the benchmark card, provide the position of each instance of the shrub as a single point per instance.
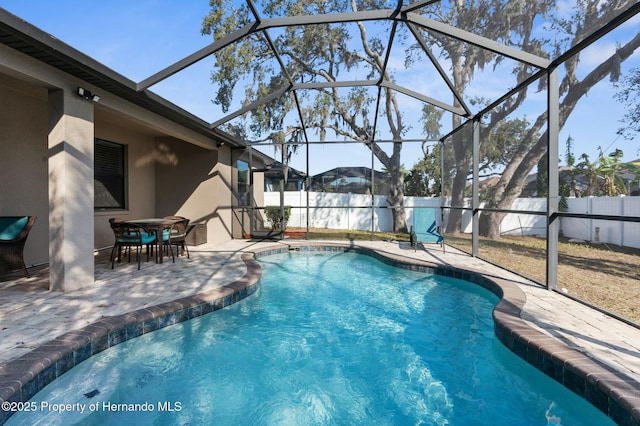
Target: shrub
(273, 215)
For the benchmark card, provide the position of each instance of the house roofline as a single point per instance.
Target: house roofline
(20, 35)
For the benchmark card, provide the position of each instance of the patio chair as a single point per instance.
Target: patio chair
(14, 231)
(178, 235)
(425, 228)
(128, 236)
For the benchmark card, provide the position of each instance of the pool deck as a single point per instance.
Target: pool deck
(31, 316)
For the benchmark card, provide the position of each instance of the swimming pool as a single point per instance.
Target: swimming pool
(329, 338)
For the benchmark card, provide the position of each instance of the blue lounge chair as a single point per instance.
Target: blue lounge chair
(425, 229)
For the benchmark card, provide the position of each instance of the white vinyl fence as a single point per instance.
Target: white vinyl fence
(343, 211)
(353, 212)
(604, 231)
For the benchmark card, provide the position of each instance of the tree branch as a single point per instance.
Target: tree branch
(531, 153)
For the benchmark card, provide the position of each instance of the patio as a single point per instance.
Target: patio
(31, 315)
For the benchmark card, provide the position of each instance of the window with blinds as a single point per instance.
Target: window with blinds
(109, 175)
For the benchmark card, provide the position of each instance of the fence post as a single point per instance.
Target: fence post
(589, 211)
(621, 224)
(349, 211)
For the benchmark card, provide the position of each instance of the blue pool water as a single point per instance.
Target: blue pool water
(328, 339)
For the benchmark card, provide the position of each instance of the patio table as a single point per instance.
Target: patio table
(157, 225)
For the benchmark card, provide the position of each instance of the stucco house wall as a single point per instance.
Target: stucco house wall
(46, 166)
(166, 175)
(23, 160)
(193, 182)
(141, 180)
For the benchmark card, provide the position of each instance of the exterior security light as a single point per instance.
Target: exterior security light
(88, 95)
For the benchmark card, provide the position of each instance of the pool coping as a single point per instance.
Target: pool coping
(609, 390)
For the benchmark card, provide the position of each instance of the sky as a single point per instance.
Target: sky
(139, 38)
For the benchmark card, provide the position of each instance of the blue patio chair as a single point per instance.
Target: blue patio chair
(128, 236)
(178, 235)
(425, 228)
(14, 231)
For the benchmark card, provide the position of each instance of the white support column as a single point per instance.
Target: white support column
(71, 156)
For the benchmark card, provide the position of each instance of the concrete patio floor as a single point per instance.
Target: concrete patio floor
(31, 315)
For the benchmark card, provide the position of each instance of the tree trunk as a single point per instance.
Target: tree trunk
(395, 200)
(395, 196)
(457, 199)
(462, 163)
(489, 224)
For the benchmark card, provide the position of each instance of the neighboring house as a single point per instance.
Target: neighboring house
(355, 180)
(274, 178)
(632, 178)
(580, 183)
(66, 119)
